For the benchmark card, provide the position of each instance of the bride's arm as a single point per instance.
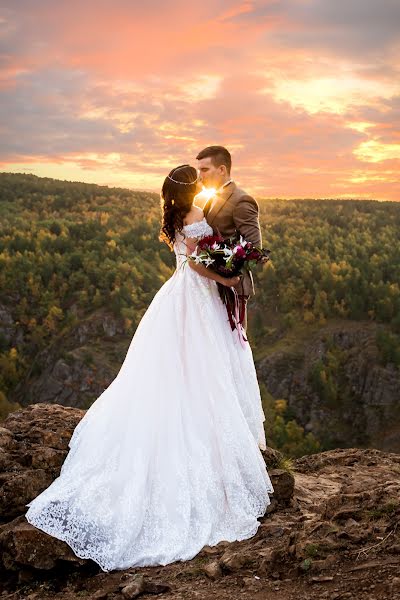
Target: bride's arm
(191, 244)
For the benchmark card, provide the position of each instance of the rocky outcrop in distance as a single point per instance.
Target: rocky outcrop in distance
(363, 410)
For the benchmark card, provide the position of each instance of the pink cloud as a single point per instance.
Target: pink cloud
(154, 83)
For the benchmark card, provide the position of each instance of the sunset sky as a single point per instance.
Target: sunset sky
(304, 93)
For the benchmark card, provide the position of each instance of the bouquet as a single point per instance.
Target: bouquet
(229, 257)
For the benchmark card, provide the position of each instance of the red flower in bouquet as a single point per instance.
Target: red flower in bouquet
(240, 252)
(209, 240)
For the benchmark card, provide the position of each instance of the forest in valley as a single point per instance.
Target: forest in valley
(68, 249)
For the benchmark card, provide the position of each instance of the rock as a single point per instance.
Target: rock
(211, 550)
(351, 523)
(275, 575)
(274, 529)
(272, 506)
(33, 446)
(232, 561)
(100, 595)
(283, 484)
(43, 424)
(322, 565)
(322, 579)
(344, 513)
(272, 559)
(17, 489)
(141, 585)
(272, 457)
(395, 582)
(11, 333)
(111, 326)
(213, 569)
(7, 441)
(252, 582)
(48, 458)
(134, 588)
(26, 576)
(22, 545)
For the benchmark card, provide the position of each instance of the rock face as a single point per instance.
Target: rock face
(79, 365)
(364, 408)
(10, 331)
(23, 545)
(33, 446)
(337, 513)
(68, 372)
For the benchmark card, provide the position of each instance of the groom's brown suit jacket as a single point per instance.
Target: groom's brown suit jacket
(235, 209)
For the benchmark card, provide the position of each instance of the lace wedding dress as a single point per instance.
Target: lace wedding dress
(167, 459)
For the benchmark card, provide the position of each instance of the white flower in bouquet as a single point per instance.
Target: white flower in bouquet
(209, 261)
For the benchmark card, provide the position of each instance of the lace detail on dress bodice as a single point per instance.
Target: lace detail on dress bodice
(198, 229)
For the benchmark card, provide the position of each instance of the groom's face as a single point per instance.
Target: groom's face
(210, 175)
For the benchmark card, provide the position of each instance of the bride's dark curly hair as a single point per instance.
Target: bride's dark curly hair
(176, 201)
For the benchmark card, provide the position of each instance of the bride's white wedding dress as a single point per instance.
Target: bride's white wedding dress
(167, 459)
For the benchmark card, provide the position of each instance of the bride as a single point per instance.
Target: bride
(167, 460)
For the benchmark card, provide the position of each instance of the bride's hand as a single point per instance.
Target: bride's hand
(230, 281)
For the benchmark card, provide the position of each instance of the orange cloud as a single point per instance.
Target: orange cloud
(304, 94)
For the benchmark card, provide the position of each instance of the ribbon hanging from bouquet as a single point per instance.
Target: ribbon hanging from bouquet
(239, 316)
(235, 310)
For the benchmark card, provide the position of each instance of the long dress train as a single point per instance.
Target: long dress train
(167, 459)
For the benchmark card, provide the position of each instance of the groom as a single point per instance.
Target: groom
(229, 209)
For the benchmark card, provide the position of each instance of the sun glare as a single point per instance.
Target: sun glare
(208, 193)
(202, 197)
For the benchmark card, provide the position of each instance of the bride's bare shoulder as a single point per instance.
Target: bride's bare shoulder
(194, 215)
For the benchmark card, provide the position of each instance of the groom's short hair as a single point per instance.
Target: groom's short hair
(219, 156)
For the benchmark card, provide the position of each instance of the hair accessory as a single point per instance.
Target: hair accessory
(183, 182)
